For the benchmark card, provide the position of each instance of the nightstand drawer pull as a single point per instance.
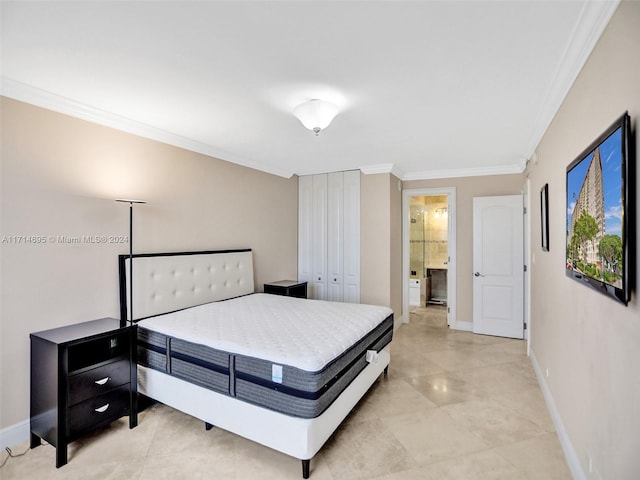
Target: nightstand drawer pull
(102, 381)
(102, 409)
(97, 381)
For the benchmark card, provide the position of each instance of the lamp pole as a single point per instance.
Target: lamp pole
(130, 202)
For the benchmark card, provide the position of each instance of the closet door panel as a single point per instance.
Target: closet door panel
(319, 237)
(335, 236)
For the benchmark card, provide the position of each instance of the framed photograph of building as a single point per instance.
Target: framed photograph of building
(600, 213)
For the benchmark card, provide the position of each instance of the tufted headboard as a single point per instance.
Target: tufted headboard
(166, 282)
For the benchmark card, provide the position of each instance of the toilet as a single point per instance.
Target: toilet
(414, 292)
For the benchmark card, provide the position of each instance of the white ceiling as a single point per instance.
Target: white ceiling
(426, 89)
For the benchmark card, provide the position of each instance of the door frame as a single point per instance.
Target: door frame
(406, 249)
(527, 262)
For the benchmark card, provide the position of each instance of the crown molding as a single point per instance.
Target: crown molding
(25, 93)
(382, 168)
(464, 172)
(594, 18)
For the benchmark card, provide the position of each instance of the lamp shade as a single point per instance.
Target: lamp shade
(316, 114)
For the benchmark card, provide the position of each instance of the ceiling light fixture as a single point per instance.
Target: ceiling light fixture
(316, 115)
(441, 211)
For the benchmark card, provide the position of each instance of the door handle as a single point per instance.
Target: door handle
(478, 274)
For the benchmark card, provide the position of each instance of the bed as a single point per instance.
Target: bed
(281, 371)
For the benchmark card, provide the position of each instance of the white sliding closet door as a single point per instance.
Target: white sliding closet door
(329, 235)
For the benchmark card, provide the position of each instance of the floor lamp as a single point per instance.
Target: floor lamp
(130, 202)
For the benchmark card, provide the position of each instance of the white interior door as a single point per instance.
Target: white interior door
(498, 266)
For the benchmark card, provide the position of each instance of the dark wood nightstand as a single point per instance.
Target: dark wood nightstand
(83, 376)
(288, 288)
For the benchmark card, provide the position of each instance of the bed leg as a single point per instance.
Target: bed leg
(305, 468)
(207, 426)
(386, 370)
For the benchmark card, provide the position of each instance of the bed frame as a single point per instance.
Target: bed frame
(168, 282)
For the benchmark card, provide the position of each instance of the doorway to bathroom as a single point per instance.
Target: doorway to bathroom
(429, 250)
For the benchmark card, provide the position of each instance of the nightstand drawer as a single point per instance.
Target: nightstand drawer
(92, 352)
(98, 410)
(98, 380)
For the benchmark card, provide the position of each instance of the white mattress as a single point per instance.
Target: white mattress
(306, 334)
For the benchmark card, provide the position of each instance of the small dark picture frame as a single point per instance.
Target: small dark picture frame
(544, 216)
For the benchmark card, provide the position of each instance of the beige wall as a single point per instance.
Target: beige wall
(375, 241)
(60, 176)
(466, 189)
(380, 240)
(589, 343)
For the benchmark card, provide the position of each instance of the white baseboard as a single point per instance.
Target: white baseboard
(570, 454)
(15, 434)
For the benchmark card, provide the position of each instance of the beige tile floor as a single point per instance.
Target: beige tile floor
(454, 406)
